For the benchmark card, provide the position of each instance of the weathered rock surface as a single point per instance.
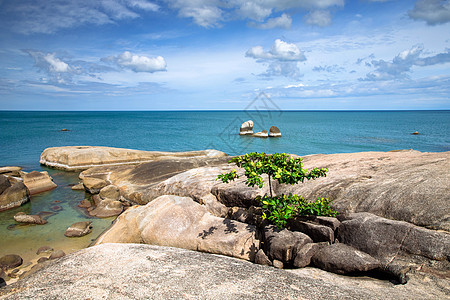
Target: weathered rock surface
(78, 187)
(386, 238)
(107, 208)
(261, 134)
(405, 185)
(4, 183)
(136, 271)
(15, 195)
(79, 229)
(10, 171)
(283, 244)
(246, 128)
(110, 192)
(10, 261)
(21, 217)
(304, 254)
(262, 259)
(76, 158)
(57, 254)
(94, 185)
(38, 182)
(180, 222)
(318, 233)
(342, 259)
(274, 132)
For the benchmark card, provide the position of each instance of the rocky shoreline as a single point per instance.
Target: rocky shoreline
(388, 222)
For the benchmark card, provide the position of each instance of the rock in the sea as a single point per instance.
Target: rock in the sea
(11, 171)
(136, 271)
(107, 208)
(44, 249)
(261, 134)
(181, 222)
(42, 259)
(274, 132)
(402, 185)
(78, 187)
(282, 244)
(56, 254)
(14, 196)
(4, 183)
(415, 133)
(38, 182)
(384, 238)
(77, 158)
(94, 185)
(79, 229)
(85, 203)
(21, 217)
(111, 192)
(246, 128)
(65, 129)
(342, 259)
(10, 261)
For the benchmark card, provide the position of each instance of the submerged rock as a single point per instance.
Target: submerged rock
(10, 261)
(246, 128)
(56, 254)
(44, 249)
(38, 182)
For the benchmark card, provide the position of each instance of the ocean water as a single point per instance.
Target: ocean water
(24, 135)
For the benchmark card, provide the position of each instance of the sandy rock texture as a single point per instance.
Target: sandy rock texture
(76, 158)
(38, 182)
(136, 271)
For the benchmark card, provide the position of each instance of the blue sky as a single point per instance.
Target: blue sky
(218, 54)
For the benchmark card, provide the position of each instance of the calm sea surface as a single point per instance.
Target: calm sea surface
(24, 135)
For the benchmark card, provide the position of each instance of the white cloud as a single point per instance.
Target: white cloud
(138, 63)
(282, 58)
(401, 65)
(55, 64)
(283, 21)
(50, 16)
(321, 18)
(280, 51)
(432, 11)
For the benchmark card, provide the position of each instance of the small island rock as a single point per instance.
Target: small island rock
(79, 229)
(415, 133)
(246, 128)
(274, 132)
(261, 134)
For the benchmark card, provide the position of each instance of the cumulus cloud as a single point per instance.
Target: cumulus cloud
(401, 65)
(283, 21)
(431, 11)
(138, 63)
(50, 16)
(282, 59)
(55, 68)
(321, 18)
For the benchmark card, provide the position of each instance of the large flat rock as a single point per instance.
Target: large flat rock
(76, 158)
(137, 271)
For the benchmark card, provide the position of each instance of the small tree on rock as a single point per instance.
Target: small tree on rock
(284, 169)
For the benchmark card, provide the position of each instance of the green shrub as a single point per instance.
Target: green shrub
(284, 169)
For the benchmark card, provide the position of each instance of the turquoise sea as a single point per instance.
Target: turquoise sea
(24, 135)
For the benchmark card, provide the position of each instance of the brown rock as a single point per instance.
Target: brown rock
(78, 187)
(246, 128)
(57, 254)
(262, 259)
(318, 233)
(85, 203)
(304, 254)
(10, 261)
(94, 185)
(14, 196)
(11, 171)
(44, 249)
(4, 183)
(107, 208)
(21, 217)
(261, 134)
(111, 192)
(79, 229)
(38, 182)
(42, 259)
(180, 222)
(342, 259)
(274, 132)
(278, 264)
